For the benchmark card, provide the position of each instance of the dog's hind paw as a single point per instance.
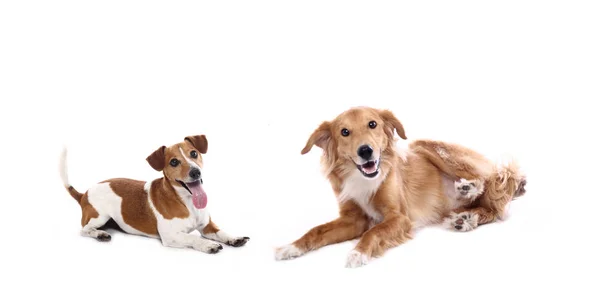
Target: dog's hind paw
(103, 236)
(468, 188)
(463, 222)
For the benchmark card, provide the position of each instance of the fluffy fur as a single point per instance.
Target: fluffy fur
(429, 183)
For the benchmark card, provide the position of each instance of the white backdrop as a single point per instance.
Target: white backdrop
(114, 80)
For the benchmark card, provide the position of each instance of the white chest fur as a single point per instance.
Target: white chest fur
(196, 220)
(361, 190)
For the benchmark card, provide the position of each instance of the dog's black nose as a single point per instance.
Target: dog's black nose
(365, 152)
(195, 173)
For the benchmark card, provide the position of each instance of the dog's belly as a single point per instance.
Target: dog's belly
(107, 202)
(450, 193)
(429, 206)
(425, 211)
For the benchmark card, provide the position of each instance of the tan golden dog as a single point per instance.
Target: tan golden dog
(384, 192)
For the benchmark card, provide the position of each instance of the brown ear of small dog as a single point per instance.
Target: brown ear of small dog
(199, 142)
(157, 159)
(391, 123)
(320, 137)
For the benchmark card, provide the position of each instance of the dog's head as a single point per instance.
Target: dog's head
(181, 165)
(357, 139)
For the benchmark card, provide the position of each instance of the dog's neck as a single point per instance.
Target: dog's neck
(359, 188)
(166, 190)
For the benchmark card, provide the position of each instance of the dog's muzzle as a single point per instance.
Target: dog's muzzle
(370, 169)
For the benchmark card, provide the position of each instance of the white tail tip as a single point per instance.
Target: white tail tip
(62, 165)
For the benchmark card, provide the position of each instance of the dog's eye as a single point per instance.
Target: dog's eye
(372, 124)
(345, 132)
(194, 154)
(174, 162)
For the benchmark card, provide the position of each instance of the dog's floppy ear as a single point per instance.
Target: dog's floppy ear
(391, 123)
(157, 159)
(199, 141)
(320, 137)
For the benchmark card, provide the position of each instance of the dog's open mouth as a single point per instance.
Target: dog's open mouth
(369, 169)
(199, 197)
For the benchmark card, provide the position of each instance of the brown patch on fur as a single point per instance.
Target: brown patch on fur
(88, 212)
(199, 142)
(135, 209)
(74, 193)
(157, 159)
(211, 228)
(166, 201)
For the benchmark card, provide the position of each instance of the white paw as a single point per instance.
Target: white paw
(463, 222)
(468, 189)
(356, 259)
(207, 246)
(289, 251)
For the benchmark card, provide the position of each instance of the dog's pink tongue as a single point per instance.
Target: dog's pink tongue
(199, 196)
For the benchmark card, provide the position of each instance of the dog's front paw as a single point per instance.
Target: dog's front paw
(287, 252)
(356, 259)
(103, 236)
(208, 247)
(463, 222)
(468, 188)
(237, 242)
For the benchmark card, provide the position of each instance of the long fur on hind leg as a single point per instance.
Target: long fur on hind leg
(454, 160)
(506, 183)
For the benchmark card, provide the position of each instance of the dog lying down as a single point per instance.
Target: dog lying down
(168, 208)
(385, 192)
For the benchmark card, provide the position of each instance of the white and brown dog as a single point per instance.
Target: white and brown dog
(168, 208)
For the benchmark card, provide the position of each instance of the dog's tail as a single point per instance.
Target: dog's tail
(65, 176)
(510, 176)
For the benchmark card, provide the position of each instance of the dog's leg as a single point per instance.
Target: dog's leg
(468, 189)
(91, 228)
(460, 163)
(484, 216)
(462, 222)
(342, 229)
(183, 240)
(465, 220)
(211, 231)
(392, 232)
